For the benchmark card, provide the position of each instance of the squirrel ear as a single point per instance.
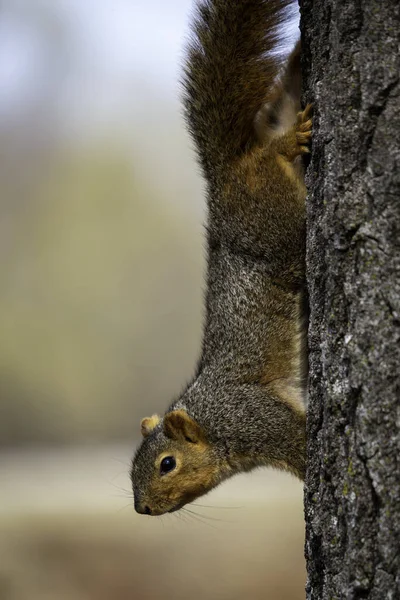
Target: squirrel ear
(148, 423)
(179, 426)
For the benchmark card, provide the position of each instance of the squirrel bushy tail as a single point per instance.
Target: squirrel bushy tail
(232, 64)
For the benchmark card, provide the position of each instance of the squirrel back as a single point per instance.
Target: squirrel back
(245, 405)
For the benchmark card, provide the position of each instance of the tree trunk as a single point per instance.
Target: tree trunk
(352, 495)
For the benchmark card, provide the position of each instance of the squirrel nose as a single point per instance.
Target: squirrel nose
(142, 509)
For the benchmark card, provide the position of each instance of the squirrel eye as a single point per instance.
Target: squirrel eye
(167, 464)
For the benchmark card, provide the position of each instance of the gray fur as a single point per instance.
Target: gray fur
(249, 384)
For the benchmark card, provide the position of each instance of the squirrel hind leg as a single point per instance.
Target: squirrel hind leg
(304, 129)
(279, 113)
(295, 140)
(276, 118)
(291, 145)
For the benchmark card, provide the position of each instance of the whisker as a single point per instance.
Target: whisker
(195, 517)
(121, 489)
(124, 507)
(206, 517)
(179, 515)
(122, 494)
(122, 462)
(162, 520)
(175, 517)
(214, 506)
(125, 496)
(191, 516)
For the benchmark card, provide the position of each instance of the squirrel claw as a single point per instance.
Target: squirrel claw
(304, 129)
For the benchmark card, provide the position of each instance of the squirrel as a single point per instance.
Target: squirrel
(245, 406)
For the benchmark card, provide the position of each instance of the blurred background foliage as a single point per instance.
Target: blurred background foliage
(101, 261)
(101, 265)
(100, 303)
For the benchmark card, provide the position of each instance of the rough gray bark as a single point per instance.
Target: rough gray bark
(352, 496)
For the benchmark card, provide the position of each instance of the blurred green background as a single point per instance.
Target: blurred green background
(101, 263)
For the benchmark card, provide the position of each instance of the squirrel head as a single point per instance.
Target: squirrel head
(174, 464)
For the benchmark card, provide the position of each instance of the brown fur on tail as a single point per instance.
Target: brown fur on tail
(231, 67)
